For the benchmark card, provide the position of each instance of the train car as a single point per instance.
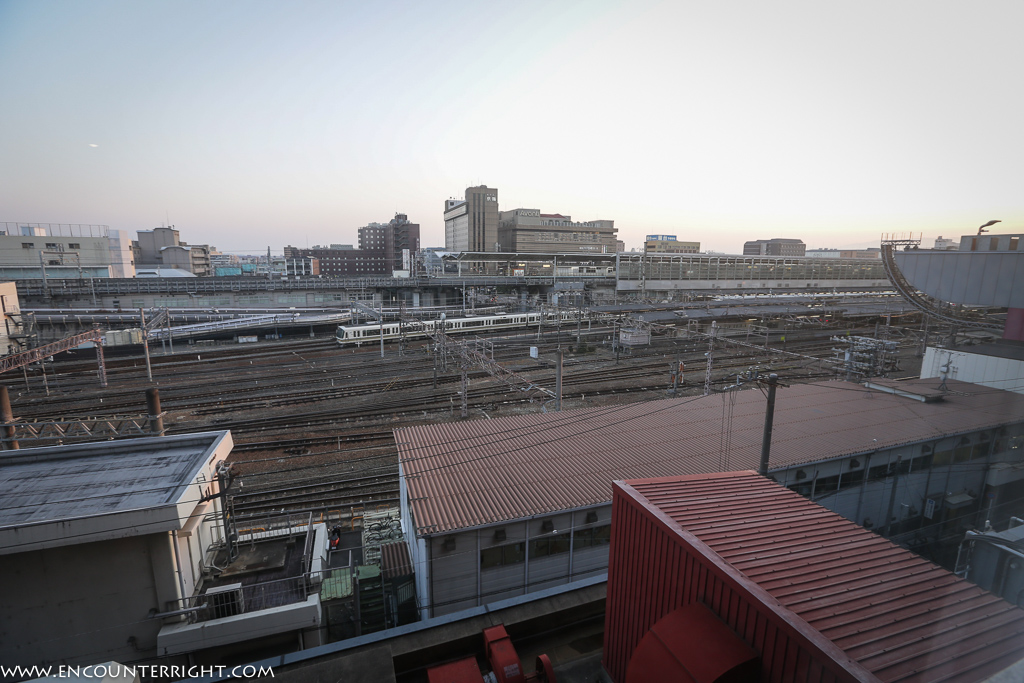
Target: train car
(349, 335)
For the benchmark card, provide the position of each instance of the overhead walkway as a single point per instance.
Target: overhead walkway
(248, 323)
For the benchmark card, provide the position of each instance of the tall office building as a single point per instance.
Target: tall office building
(471, 224)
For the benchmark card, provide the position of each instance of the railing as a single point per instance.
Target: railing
(58, 229)
(229, 600)
(224, 598)
(256, 529)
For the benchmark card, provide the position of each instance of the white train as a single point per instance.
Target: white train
(348, 335)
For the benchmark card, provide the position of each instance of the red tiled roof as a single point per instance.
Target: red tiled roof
(899, 616)
(468, 474)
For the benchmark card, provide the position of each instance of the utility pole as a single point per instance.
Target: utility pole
(892, 496)
(156, 416)
(382, 327)
(769, 419)
(145, 343)
(170, 339)
(558, 382)
(465, 389)
(435, 364)
(7, 416)
(709, 354)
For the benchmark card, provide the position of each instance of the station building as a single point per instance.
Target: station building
(662, 274)
(498, 508)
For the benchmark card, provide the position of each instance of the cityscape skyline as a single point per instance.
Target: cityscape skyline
(257, 125)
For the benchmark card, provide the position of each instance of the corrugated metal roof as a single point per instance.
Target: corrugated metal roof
(395, 561)
(469, 474)
(898, 615)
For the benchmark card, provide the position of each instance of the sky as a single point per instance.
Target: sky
(255, 124)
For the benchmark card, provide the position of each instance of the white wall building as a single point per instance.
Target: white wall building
(64, 251)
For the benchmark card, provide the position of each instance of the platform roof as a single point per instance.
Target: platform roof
(470, 474)
(62, 495)
(894, 613)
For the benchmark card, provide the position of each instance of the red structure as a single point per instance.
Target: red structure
(711, 576)
(504, 661)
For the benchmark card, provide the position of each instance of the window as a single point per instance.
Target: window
(853, 478)
(878, 472)
(28, 245)
(586, 538)
(549, 545)
(52, 245)
(962, 453)
(502, 555)
(826, 485)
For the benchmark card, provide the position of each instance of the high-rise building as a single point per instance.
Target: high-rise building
(530, 231)
(471, 224)
(401, 242)
(371, 237)
(399, 239)
(774, 247)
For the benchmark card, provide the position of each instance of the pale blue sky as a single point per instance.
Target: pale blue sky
(269, 123)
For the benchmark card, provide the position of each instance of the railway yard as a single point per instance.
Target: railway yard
(313, 423)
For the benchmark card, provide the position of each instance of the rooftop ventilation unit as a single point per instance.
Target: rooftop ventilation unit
(225, 601)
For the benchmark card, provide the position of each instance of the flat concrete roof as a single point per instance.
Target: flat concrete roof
(61, 495)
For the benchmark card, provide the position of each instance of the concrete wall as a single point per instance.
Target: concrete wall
(11, 310)
(85, 603)
(22, 252)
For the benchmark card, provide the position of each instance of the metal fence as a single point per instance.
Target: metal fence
(229, 600)
(58, 229)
